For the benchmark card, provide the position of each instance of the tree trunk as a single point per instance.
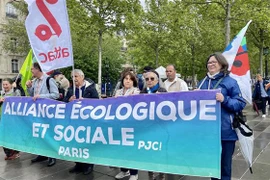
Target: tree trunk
(261, 51)
(193, 65)
(99, 60)
(228, 23)
(157, 56)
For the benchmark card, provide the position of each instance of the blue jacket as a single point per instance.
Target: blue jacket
(233, 102)
(257, 90)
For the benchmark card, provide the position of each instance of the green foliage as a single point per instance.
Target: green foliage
(176, 32)
(169, 31)
(149, 42)
(258, 35)
(84, 40)
(15, 39)
(112, 58)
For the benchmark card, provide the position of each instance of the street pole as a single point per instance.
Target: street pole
(266, 67)
(107, 74)
(99, 61)
(193, 65)
(265, 53)
(266, 57)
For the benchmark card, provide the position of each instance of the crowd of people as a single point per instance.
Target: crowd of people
(261, 94)
(217, 77)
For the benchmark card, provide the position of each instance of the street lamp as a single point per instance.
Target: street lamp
(107, 76)
(265, 53)
(105, 85)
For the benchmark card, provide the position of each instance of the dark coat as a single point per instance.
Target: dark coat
(89, 92)
(257, 90)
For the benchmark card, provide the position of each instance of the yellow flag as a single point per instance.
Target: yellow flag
(26, 70)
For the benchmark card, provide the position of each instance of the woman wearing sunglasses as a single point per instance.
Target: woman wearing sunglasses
(152, 83)
(153, 86)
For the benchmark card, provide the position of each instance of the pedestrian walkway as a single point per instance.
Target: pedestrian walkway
(22, 169)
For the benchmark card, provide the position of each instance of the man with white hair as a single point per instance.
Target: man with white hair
(85, 88)
(173, 83)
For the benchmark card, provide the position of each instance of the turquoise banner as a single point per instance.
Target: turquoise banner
(176, 133)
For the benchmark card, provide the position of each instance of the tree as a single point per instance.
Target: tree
(149, 43)
(225, 5)
(175, 33)
(183, 32)
(106, 16)
(237, 14)
(259, 31)
(15, 39)
(85, 43)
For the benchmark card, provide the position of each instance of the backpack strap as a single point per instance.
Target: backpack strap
(16, 89)
(48, 83)
(218, 82)
(214, 86)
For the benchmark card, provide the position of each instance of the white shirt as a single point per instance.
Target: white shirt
(168, 84)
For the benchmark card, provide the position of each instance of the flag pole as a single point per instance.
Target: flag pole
(17, 77)
(73, 81)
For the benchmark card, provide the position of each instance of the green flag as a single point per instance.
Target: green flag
(26, 70)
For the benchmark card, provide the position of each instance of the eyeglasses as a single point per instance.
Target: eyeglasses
(148, 79)
(212, 62)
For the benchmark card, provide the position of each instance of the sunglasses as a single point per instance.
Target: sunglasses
(148, 79)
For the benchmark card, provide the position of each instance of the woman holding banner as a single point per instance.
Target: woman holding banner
(231, 101)
(129, 84)
(8, 90)
(153, 86)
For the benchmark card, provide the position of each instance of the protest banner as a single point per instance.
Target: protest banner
(175, 133)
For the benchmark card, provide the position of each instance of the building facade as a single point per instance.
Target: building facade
(9, 63)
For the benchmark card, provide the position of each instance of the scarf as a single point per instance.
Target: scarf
(153, 89)
(212, 76)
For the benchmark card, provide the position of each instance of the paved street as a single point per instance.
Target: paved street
(22, 169)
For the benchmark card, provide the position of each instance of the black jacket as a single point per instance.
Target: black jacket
(257, 90)
(89, 92)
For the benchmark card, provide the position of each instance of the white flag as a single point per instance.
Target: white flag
(48, 30)
(237, 57)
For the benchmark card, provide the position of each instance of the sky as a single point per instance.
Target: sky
(143, 3)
